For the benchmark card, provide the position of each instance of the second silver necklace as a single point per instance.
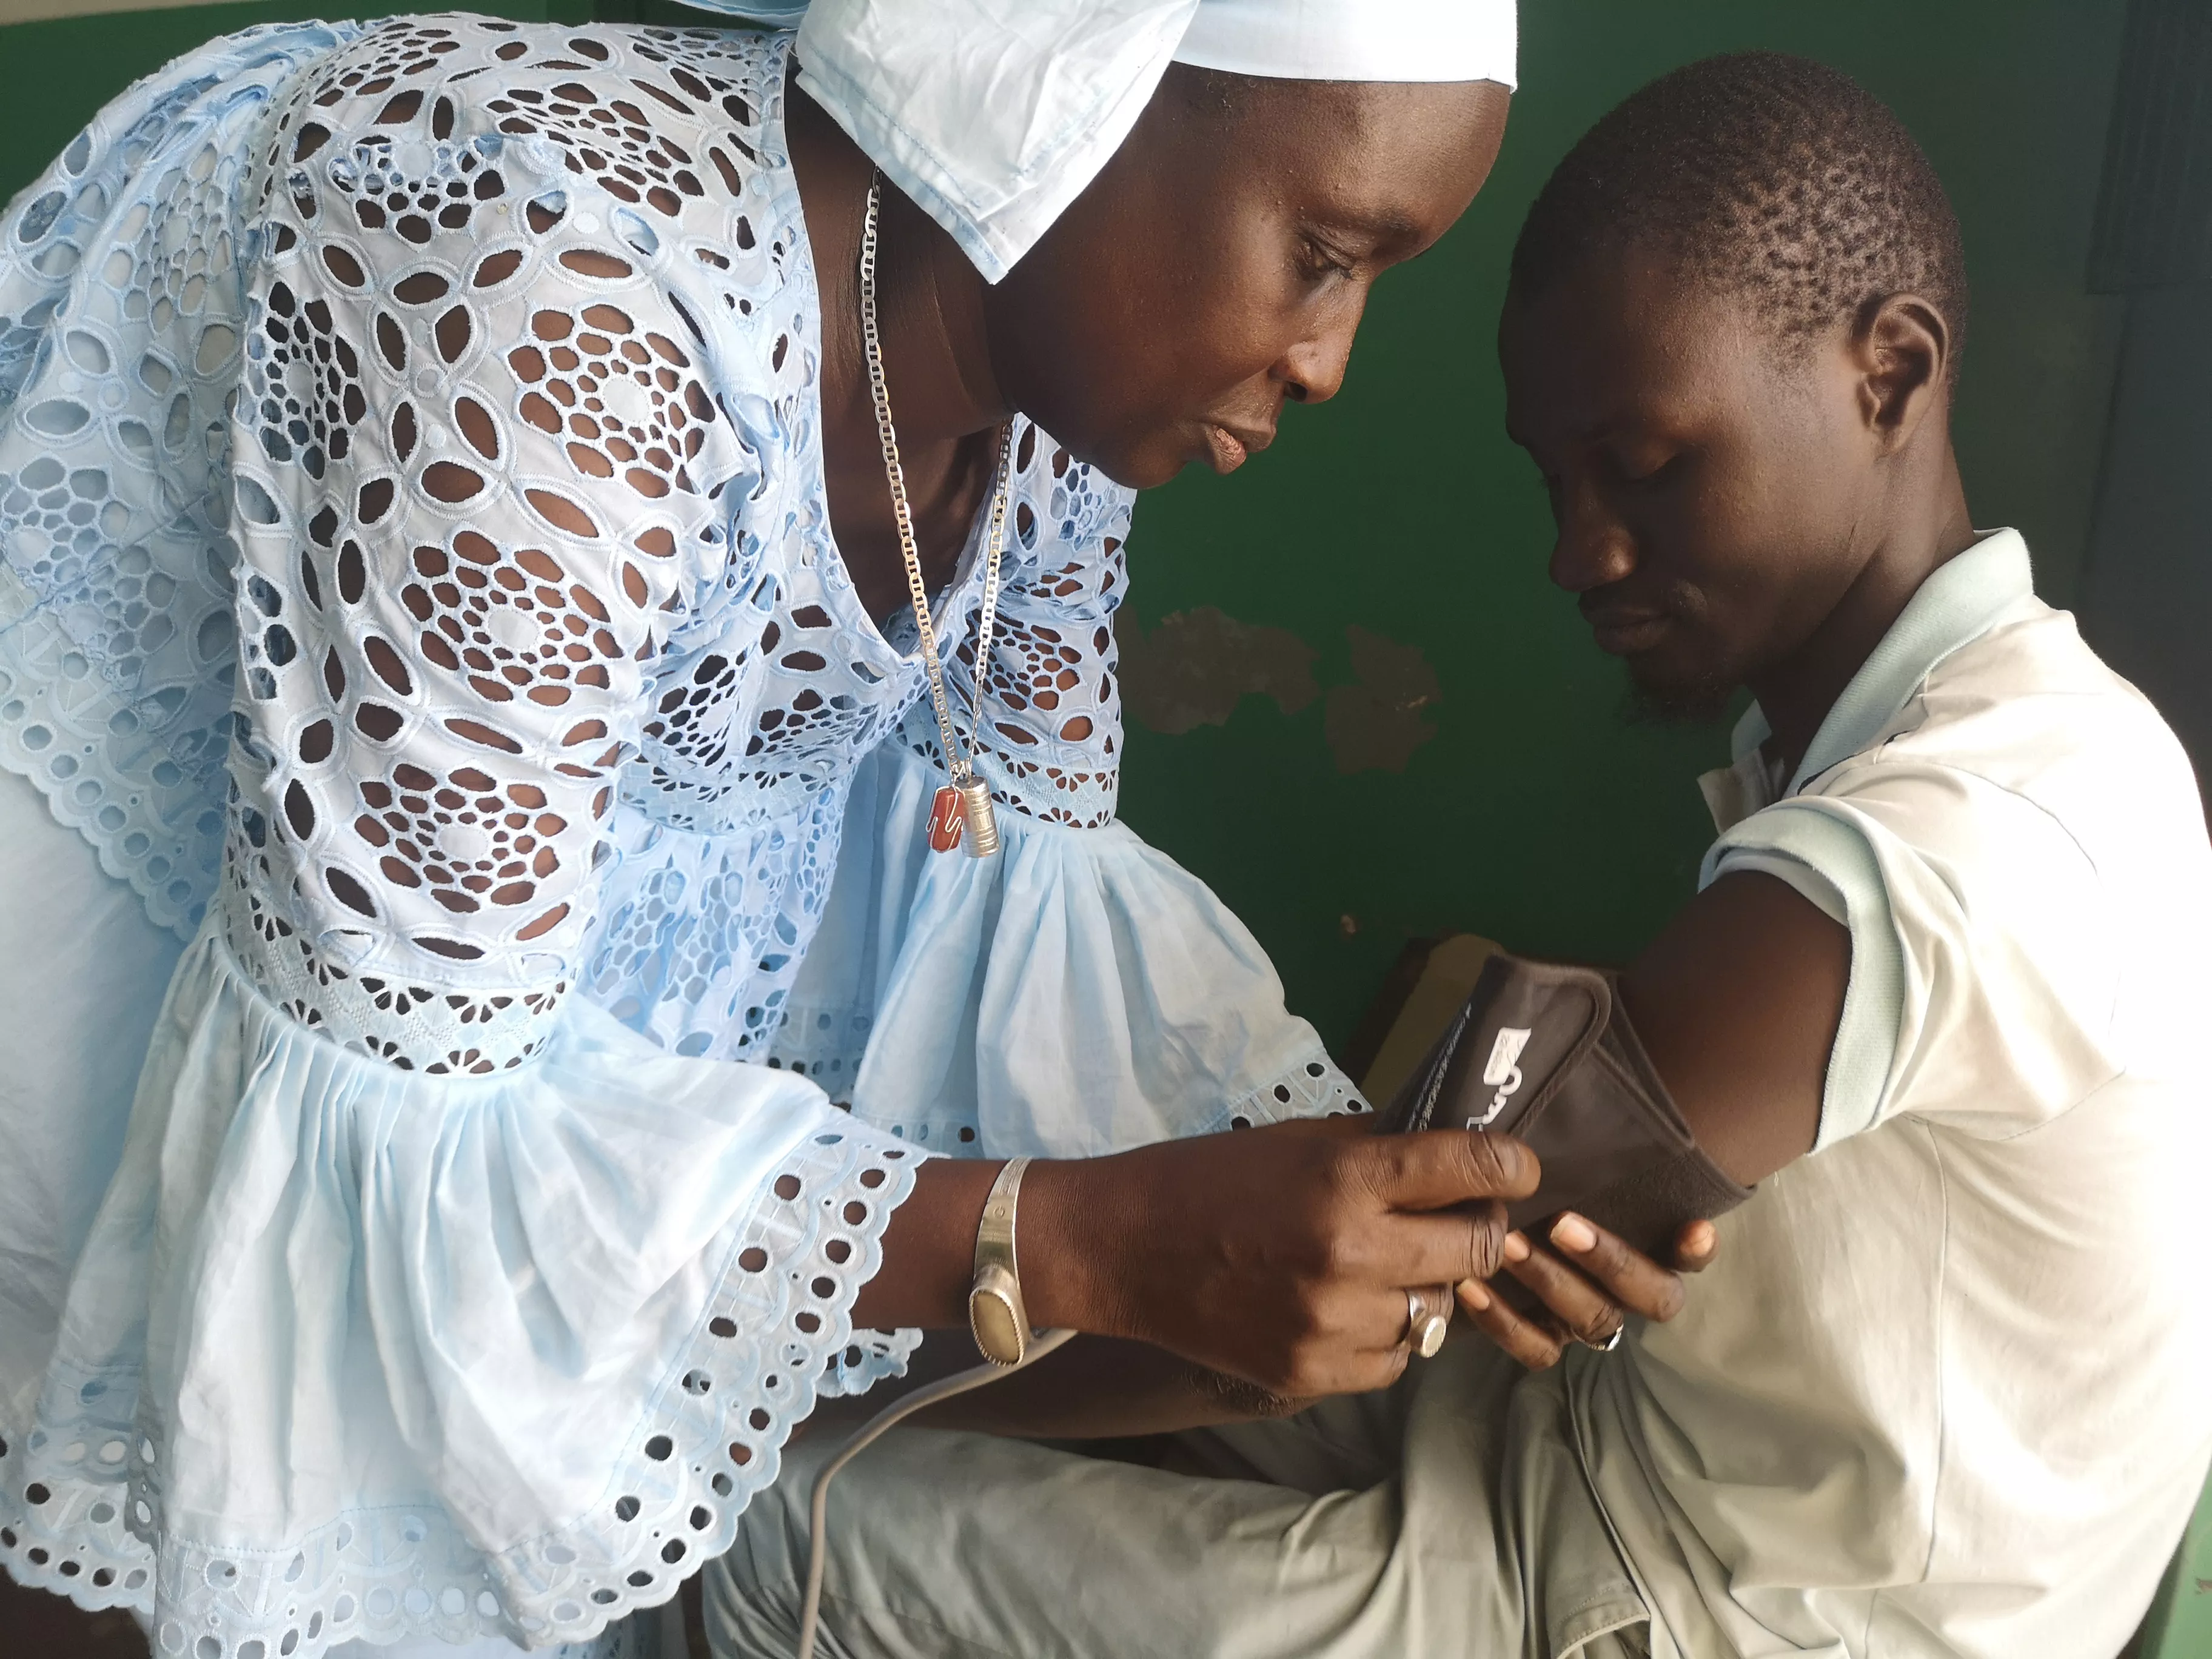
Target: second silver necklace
(964, 803)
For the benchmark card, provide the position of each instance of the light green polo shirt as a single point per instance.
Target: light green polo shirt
(1947, 1391)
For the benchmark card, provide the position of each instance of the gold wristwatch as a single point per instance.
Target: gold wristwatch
(996, 1316)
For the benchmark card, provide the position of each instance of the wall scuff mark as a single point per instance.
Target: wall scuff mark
(1197, 665)
(1377, 723)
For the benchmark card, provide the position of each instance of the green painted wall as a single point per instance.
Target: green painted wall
(1533, 814)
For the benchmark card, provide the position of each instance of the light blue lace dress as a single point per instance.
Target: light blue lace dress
(416, 584)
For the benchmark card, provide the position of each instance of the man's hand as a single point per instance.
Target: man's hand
(1589, 1281)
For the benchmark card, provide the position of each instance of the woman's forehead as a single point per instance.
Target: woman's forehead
(1381, 160)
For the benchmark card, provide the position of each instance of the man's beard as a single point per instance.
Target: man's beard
(1701, 702)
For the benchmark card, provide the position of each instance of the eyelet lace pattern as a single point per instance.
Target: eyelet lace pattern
(512, 536)
(120, 321)
(80, 1495)
(827, 1045)
(413, 542)
(1049, 731)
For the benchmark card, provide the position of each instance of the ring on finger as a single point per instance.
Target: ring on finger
(1424, 1331)
(1610, 1343)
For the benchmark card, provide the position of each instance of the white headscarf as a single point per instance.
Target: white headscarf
(994, 114)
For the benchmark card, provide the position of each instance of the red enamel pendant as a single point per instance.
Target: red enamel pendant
(946, 820)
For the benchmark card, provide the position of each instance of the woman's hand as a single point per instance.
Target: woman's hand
(1589, 1281)
(1281, 1256)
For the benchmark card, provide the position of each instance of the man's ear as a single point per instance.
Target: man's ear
(1904, 351)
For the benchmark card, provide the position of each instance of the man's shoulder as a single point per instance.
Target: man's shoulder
(2027, 707)
(2029, 812)
(2028, 791)
(2031, 649)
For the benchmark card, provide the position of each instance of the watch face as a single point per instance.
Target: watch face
(997, 1328)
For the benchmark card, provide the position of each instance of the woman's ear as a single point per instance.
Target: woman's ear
(1904, 351)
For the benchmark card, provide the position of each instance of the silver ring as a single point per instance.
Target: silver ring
(1609, 1344)
(1424, 1331)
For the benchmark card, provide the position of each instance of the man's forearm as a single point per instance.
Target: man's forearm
(1101, 1388)
(1095, 1388)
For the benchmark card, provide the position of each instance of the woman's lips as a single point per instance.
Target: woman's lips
(1229, 450)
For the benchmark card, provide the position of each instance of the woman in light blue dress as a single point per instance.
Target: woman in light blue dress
(478, 985)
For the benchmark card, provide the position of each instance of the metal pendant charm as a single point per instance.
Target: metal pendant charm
(946, 819)
(982, 820)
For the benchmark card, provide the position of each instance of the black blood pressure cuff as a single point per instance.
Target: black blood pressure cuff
(1546, 1052)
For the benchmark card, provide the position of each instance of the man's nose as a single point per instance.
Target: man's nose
(1593, 548)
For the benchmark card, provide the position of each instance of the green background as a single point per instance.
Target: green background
(1534, 815)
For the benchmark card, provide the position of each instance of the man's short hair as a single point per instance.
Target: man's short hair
(1771, 177)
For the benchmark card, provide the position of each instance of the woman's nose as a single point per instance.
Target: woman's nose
(1593, 548)
(1312, 371)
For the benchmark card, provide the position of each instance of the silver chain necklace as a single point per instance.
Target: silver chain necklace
(966, 801)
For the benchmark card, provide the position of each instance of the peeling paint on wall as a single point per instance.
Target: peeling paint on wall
(1376, 724)
(1197, 665)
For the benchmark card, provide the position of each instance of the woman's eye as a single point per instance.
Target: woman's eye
(1318, 261)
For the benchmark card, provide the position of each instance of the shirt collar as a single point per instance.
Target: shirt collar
(1957, 604)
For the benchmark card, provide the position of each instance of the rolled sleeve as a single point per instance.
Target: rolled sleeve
(1980, 944)
(1826, 859)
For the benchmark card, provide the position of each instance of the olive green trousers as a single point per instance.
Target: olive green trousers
(1446, 1516)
